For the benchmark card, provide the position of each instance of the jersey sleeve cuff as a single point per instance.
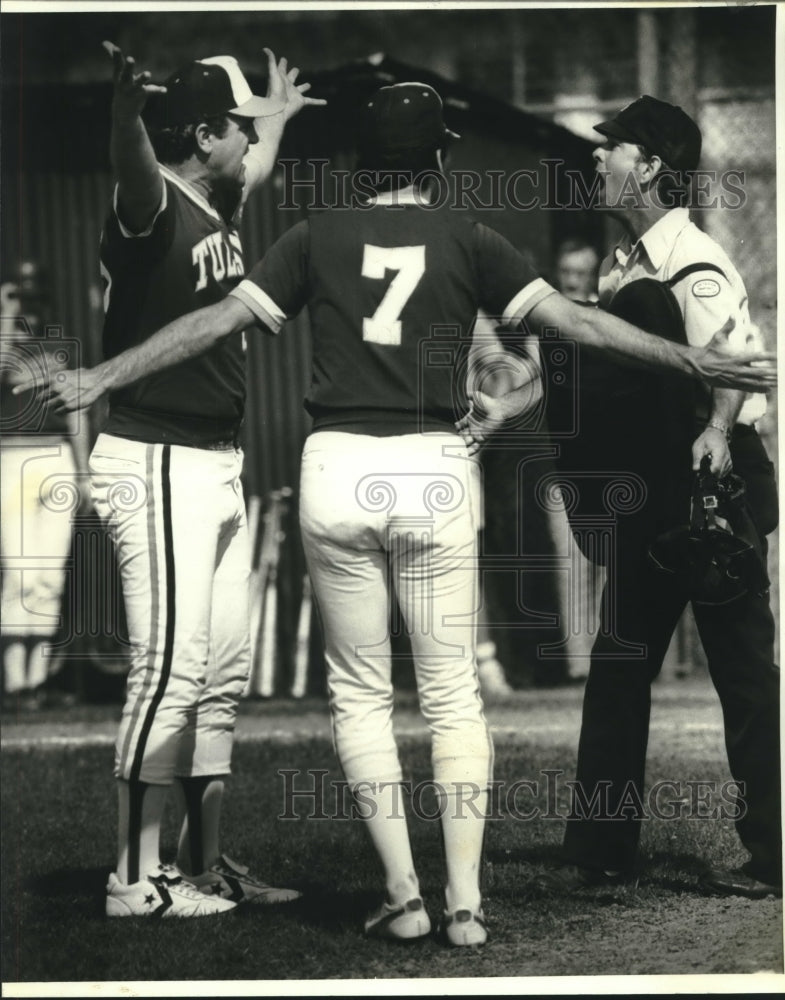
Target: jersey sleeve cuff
(260, 304)
(526, 299)
(127, 232)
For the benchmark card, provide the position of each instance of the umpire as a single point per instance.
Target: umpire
(651, 148)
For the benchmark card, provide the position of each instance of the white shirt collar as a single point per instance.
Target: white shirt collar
(405, 197)
(189, 189)
(658, 239)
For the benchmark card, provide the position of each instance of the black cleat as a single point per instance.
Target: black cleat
(736, 882)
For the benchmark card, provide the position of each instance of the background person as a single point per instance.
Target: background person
(43, 481)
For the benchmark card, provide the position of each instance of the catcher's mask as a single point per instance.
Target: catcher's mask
(718, 554)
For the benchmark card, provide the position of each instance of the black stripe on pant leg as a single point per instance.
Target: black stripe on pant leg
(136, 790)
(169, 579)
(193, 790)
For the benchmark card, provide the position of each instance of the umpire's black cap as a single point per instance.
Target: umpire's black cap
(403, 117)
(662, 128)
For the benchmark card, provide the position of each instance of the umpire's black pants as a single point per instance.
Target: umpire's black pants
(738, 639)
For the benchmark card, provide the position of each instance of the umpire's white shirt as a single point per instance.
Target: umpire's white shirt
(706, 298)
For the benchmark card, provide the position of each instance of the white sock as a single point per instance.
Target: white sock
(381, 805)
(463, 831)
(14, 664)
(38, 665)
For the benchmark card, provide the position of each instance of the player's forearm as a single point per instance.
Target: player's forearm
(629, 344)
(182, 339)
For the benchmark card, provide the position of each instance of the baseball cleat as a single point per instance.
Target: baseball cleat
(464, 928)
(161, 895)
(399, 921)
(572, 878)
(228, 880)
(736, 882)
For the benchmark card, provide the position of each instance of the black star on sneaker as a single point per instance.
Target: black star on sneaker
(149, 900)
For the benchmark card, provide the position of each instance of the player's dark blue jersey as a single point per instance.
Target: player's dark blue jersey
(188, 258)
(392, 291)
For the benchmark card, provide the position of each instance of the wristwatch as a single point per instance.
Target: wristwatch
(719, 425)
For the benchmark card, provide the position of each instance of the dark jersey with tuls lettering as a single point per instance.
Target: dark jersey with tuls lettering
(392, 293)
(189, 257)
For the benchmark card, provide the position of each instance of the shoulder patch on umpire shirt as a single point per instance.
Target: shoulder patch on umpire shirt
(706, 288)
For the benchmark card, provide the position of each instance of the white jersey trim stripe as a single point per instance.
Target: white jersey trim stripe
(127, 232)
(526, 299)
(260, 304)
(189, 191)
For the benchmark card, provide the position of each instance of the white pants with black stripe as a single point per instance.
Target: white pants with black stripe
(177, 517)
(397, 516)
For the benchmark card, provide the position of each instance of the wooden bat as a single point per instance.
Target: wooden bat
(255, 583)
(302, 649)
(263, 656)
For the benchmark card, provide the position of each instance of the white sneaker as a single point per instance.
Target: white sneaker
(228, 880)
(465, 928)
(399, 921)
(161, 895)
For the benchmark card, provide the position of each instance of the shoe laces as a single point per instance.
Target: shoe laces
(173, 880)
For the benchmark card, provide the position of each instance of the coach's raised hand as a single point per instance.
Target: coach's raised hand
(131, 90)
(282, 84)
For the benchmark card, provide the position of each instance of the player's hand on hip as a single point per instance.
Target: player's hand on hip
(131, 90)
(483, 418)
(719, 365)
(712, 442)
(282, 84)
(65, 391)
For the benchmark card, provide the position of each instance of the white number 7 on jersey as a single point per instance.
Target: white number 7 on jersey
(384, 327)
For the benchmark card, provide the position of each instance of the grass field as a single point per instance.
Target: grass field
(58, 847)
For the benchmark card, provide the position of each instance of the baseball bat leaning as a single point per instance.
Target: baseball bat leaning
(263, 651)
(255, 583)
(302, 649)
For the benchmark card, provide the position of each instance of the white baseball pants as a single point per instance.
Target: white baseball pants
(384, 516)
(177, 517)
(39, 496)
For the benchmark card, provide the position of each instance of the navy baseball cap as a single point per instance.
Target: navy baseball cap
(209, 87)
(402, 117)
(663, 128)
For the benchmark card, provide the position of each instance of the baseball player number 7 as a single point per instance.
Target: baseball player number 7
(384, 327)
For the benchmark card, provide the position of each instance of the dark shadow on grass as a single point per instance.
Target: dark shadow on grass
(682, 873)
(325, 908)
(537, 854)
(87, 885)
